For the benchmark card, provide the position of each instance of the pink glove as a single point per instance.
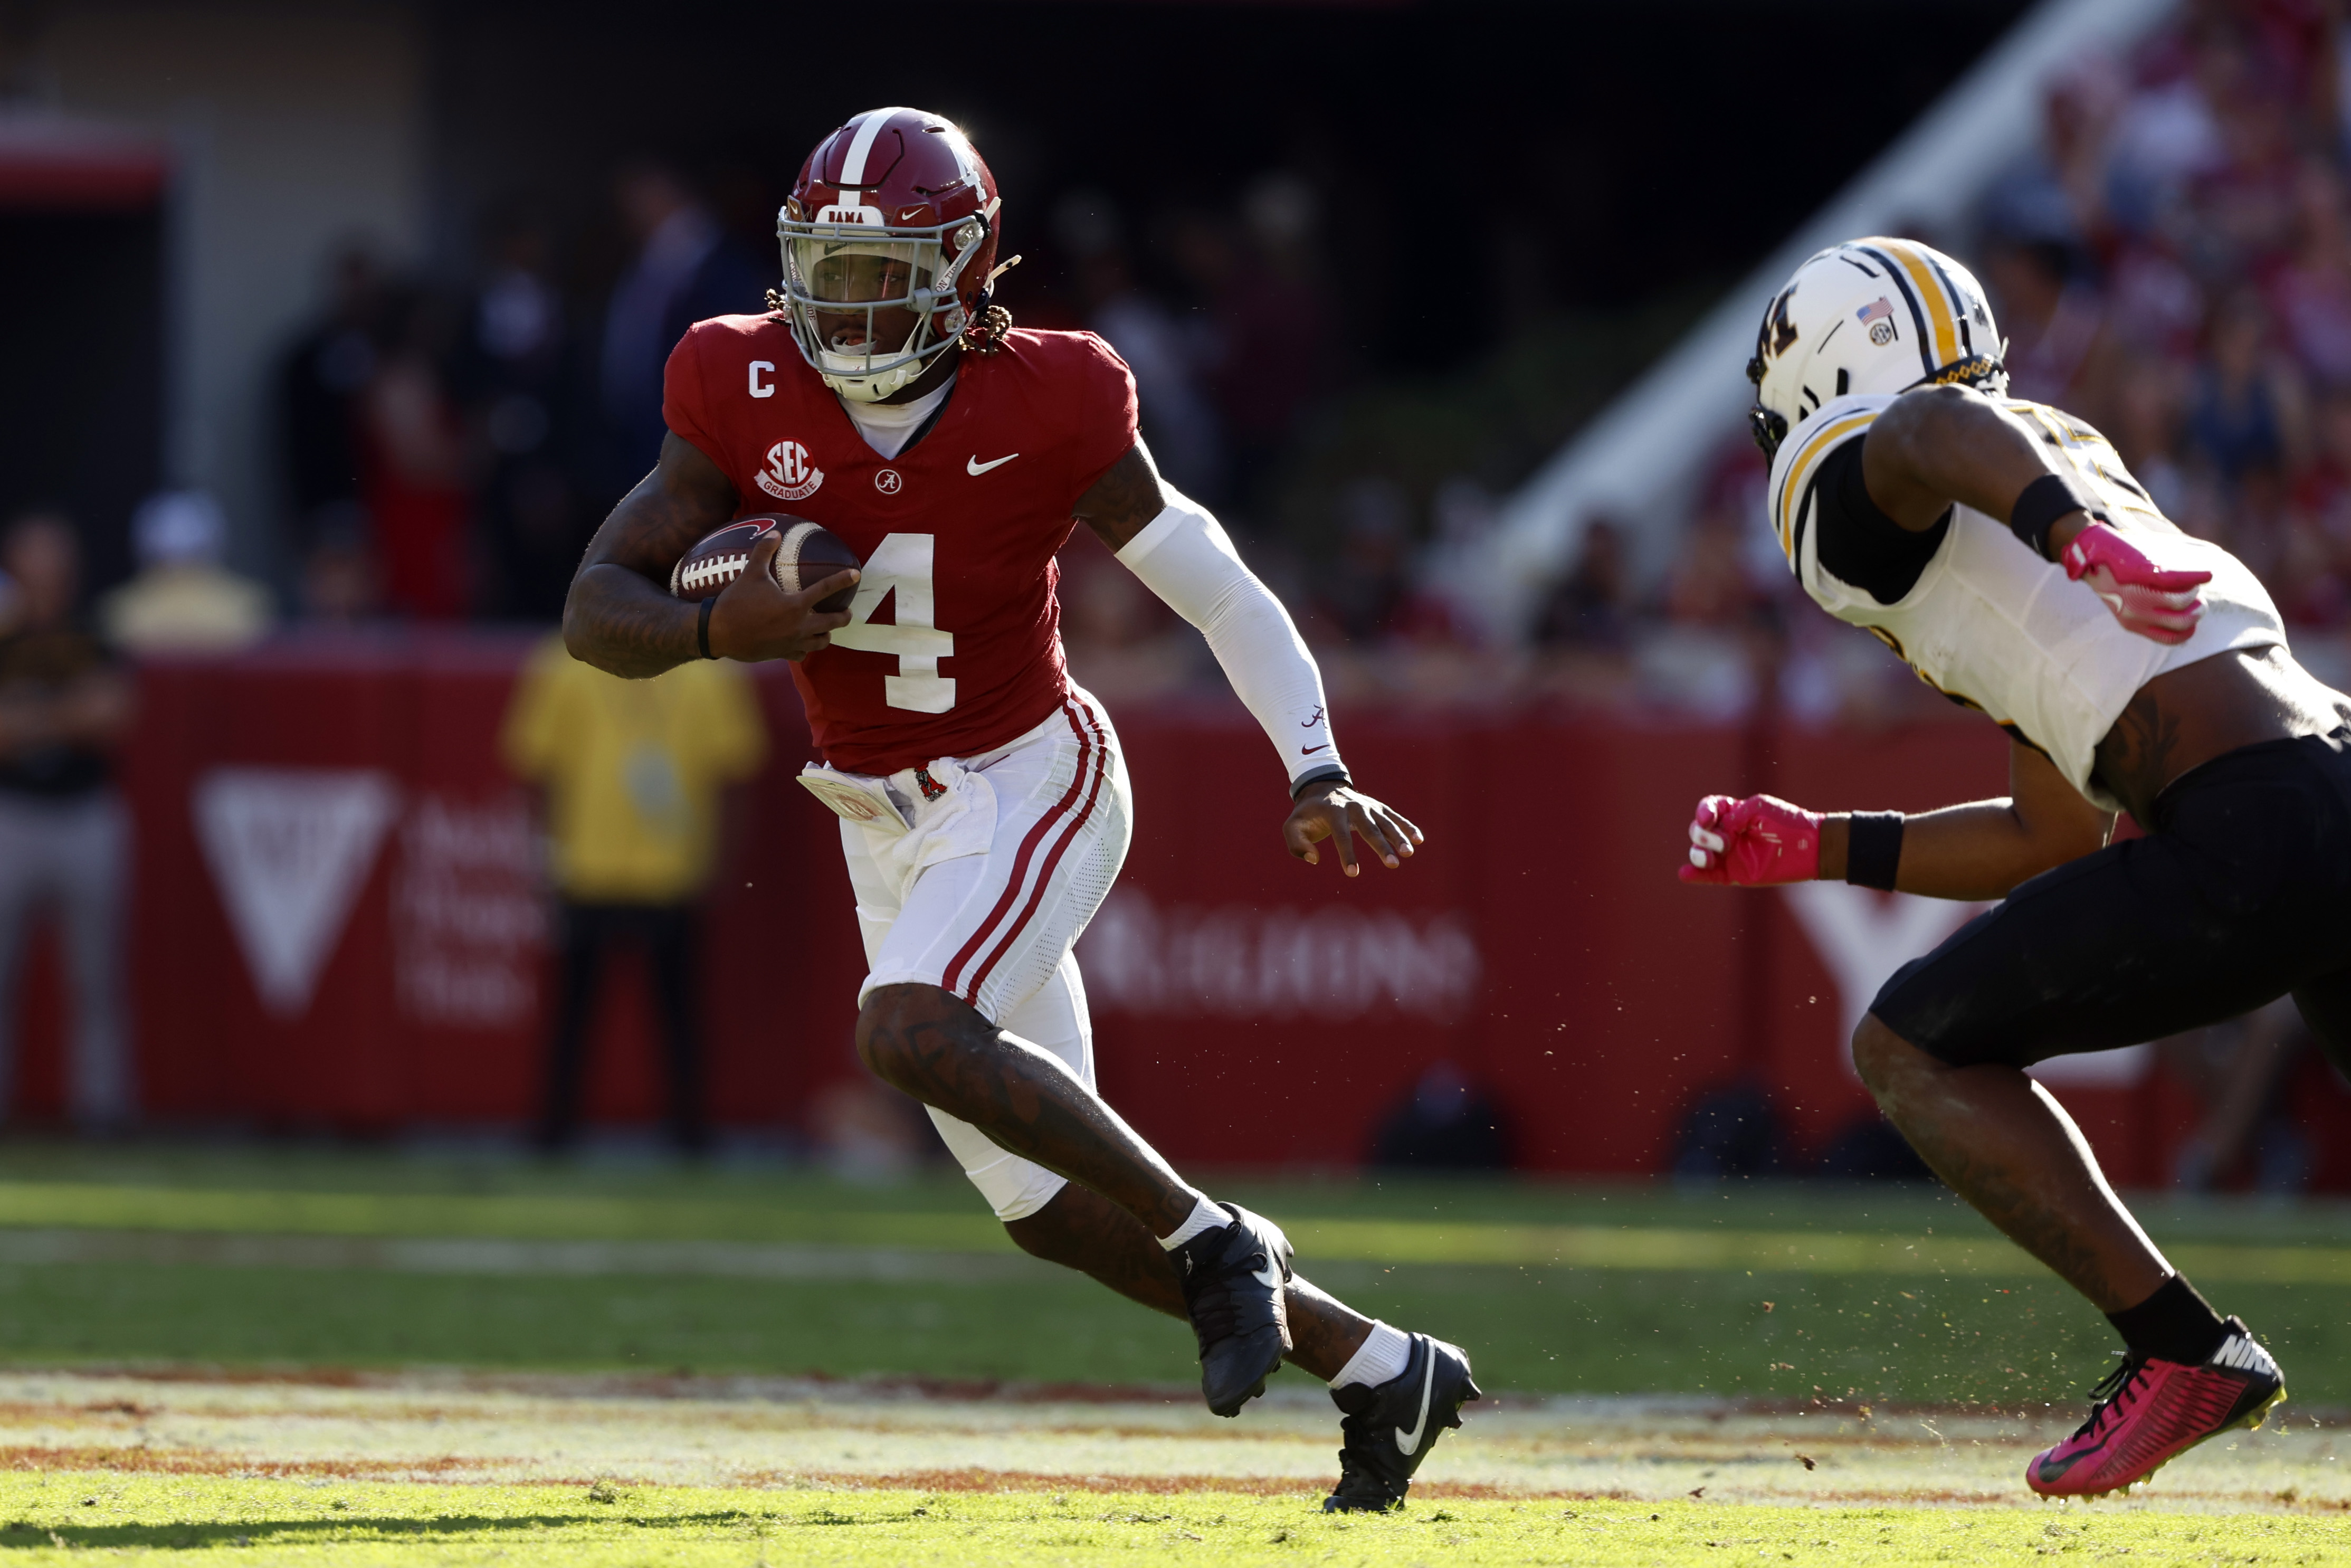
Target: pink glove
(1753, 842)
(2147, 598)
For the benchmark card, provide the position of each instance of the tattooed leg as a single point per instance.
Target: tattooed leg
(1083, 1231)
(938, 1049)
(2008, 1149)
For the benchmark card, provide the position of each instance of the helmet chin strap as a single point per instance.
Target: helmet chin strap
(884, 384)
(868, 389)
(881, 385)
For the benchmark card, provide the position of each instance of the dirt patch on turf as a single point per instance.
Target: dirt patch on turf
(202, 1462)
(867, 1436)
(976, 1480)
(459, 1469)
(1880, 1419)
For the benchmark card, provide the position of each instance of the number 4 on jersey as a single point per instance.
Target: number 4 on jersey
(901, 563)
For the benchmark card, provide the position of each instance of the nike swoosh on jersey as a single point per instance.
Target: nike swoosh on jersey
(975, 467)
(1409, 1441)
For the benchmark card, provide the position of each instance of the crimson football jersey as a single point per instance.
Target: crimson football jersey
(954, 645)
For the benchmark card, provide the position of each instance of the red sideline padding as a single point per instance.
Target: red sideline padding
(338, 926)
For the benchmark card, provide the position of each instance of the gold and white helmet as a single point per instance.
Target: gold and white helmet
(1869, 316)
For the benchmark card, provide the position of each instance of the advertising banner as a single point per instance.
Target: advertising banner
(340, 926)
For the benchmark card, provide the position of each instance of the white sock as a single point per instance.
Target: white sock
(1380, 1359)
(1205, 1216)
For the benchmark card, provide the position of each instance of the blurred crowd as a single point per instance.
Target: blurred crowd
(2173, 266)
(448, 450)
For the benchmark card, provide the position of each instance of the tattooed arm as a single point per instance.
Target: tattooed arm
(619, 616)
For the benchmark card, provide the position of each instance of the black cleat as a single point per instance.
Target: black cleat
(1233, 1280)
(1390, 1430)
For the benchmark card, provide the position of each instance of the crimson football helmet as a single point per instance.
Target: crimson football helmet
(889, 240)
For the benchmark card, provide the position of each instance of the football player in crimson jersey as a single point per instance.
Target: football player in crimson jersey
(2002, 549)
(984, 799)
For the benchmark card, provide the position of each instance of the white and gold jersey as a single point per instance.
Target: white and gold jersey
(1988, 622)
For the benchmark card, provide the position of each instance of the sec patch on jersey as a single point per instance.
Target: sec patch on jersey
(807, 555)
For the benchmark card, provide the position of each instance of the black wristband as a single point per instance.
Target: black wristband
(1873, 849)
(1330, 774)
(702, 628)
(2040, 503)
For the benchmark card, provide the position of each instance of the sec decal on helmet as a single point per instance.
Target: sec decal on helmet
(1869, 316)
(889, 244)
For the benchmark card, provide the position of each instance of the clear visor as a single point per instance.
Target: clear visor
(861, 305)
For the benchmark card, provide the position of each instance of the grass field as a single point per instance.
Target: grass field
(343, 1358)
(1752, 1290)
(462, 1467)
(364, 1524)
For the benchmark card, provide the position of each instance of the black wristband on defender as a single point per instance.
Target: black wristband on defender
(1873, 849)
(2040, 503)
(1332, 774)
(702, 628)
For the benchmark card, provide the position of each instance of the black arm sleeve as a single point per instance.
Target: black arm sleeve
(1859, 543)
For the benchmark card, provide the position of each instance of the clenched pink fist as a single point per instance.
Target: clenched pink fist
(2146, 597)
(1754, 843)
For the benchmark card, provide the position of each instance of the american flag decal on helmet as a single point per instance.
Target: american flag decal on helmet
(1878, 317)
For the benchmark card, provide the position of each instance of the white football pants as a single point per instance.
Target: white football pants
(1010, 855)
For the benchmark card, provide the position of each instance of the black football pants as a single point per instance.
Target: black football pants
(2239, 894)
(588, 936)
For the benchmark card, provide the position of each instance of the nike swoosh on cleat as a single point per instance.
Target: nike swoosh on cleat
(975, 467)
(1409, 1441)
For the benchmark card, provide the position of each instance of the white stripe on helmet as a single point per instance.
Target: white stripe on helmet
(861, 147)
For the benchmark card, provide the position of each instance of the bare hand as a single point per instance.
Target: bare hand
(755, 618)
(1336, 812)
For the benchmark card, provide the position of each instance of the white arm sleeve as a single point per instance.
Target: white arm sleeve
(1184, 556)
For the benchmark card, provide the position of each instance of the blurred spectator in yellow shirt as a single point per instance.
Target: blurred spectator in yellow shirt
(183, 600)
(633, 773)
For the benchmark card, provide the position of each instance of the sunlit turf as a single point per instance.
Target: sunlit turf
(334, 1521)
(2008, 1335)
(1579, 1332)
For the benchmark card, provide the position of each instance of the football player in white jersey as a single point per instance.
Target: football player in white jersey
(2001, 549)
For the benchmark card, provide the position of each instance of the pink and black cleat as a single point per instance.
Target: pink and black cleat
(2149, 1412)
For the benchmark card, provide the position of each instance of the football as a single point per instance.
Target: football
(809, 554)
